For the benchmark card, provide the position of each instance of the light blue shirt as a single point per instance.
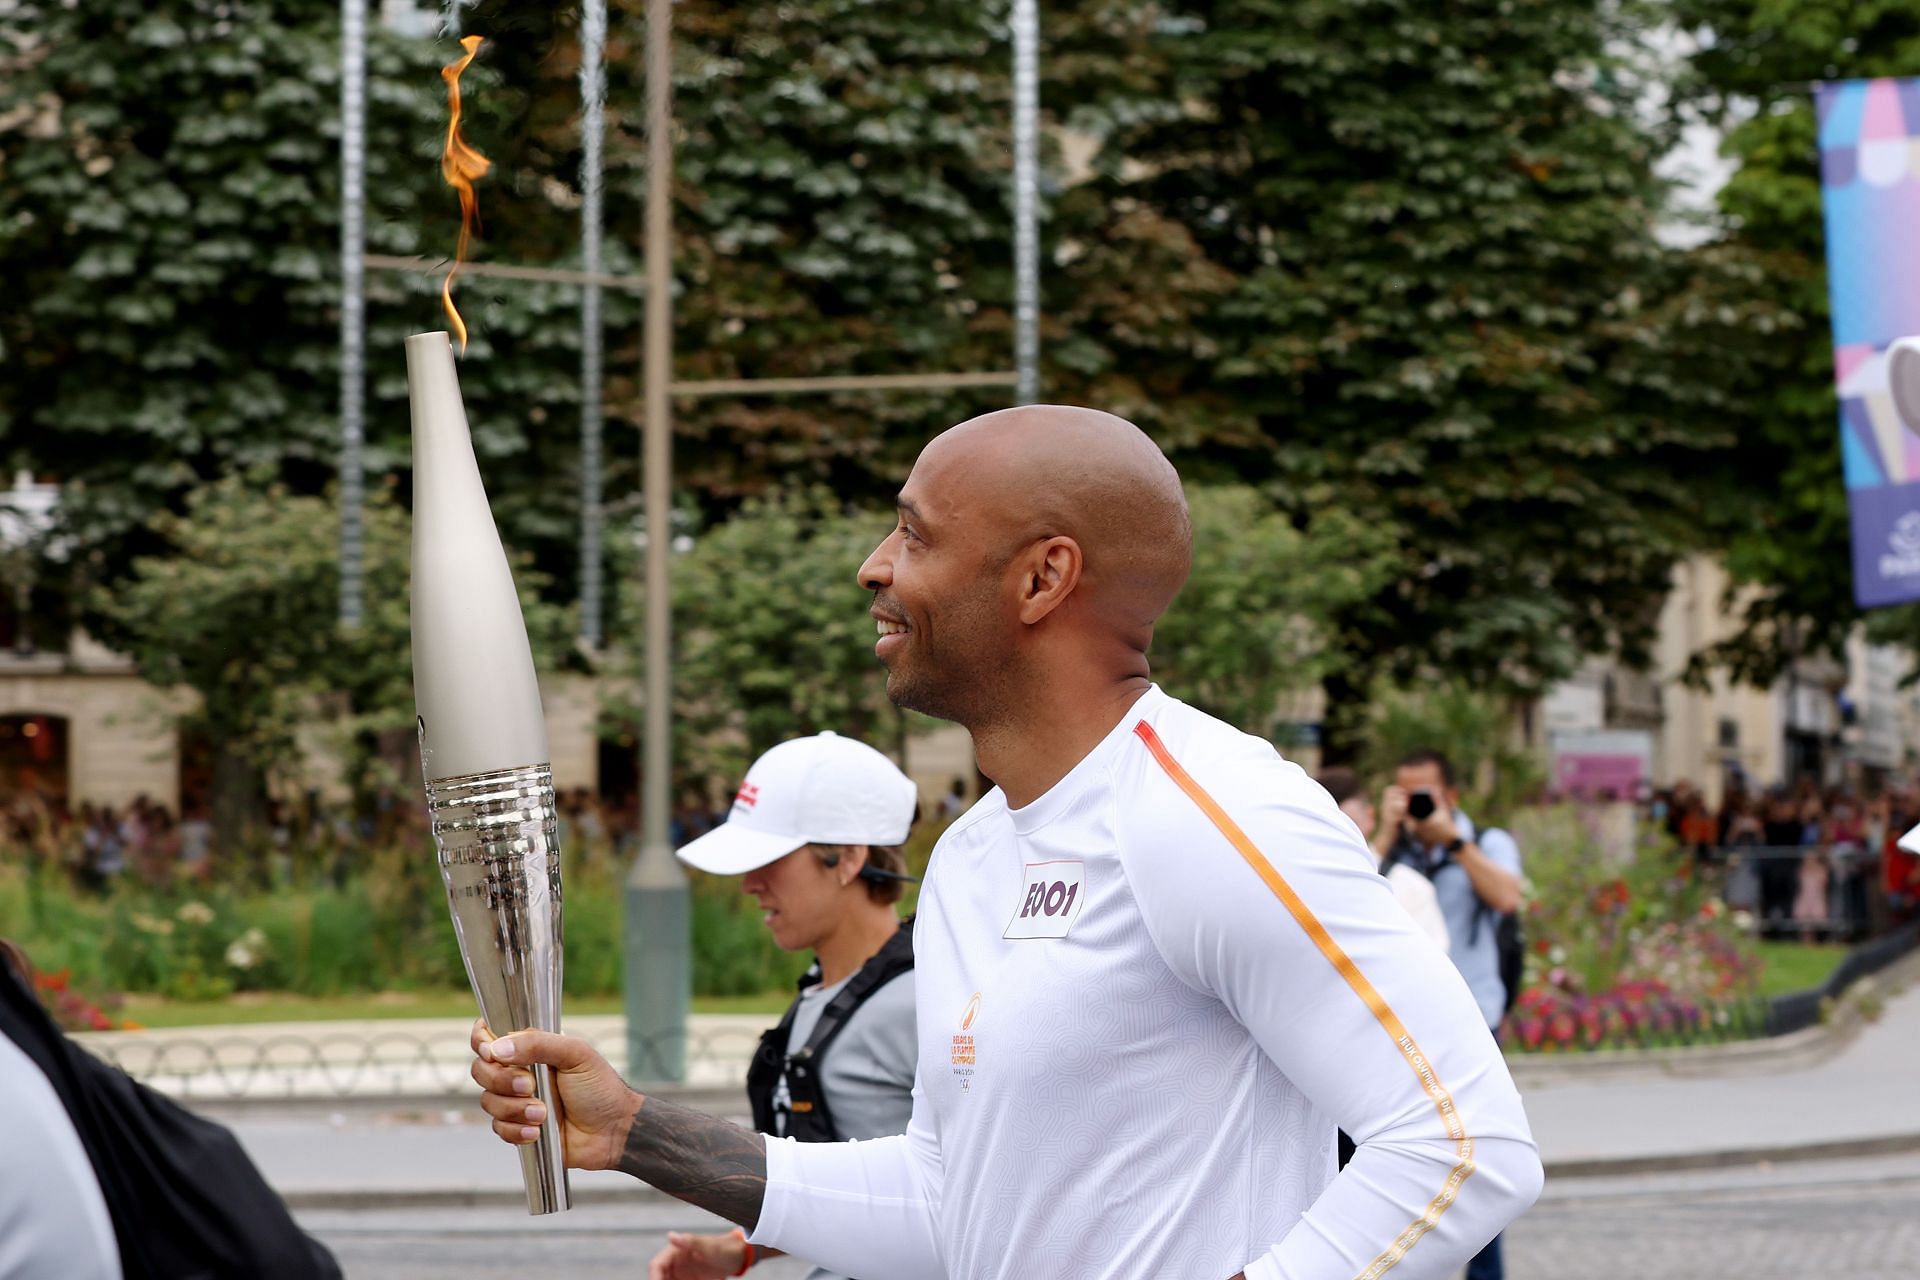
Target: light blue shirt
(1475, 951)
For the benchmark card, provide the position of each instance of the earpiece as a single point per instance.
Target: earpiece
(869, 872)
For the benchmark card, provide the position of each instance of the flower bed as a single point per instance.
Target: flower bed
(74, 1011)
(1626, 953)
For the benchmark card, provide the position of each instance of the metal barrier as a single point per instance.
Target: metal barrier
(1765, 880)
(357, 1062)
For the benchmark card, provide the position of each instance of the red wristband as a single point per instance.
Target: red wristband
(748, 1261)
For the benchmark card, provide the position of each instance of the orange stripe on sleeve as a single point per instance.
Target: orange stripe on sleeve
(1369, 996)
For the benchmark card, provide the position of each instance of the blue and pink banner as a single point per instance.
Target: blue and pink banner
(1870, 181)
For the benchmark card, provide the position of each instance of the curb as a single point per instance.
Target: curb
(356, 1201)
(1688, 1161)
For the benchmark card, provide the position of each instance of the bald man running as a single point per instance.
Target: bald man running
(1156, 967)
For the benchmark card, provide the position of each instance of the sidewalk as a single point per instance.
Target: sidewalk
(374, 1148)
(1863, 1098)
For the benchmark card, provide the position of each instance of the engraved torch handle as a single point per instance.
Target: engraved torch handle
(496, 835)
(543, 1163)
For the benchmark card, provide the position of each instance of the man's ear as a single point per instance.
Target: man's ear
(1050, 571)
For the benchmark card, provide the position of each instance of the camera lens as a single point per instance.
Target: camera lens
(1420, 806)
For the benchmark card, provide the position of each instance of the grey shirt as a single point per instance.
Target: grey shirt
(866, 1075)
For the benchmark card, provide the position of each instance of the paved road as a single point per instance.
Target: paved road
(1855, 1220)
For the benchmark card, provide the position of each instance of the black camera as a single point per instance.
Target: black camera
(1420, 805)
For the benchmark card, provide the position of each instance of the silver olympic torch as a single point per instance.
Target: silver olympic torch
(483, 744)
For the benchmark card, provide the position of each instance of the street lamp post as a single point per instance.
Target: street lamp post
(593, 115)
(1026, 198)
(353, 299)
(658, 935)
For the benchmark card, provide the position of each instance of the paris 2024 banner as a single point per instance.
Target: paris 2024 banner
(1870, 181)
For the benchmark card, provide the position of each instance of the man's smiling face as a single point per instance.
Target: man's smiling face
(941, 602)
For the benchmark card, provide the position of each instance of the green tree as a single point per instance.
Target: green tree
(842, 207)
(772, 638)
(240, 611)
(169, 229)
(1784, 506)
(169, 235)
(1400, 258)
(774, 641)
(1472, 726)
(1255, 621)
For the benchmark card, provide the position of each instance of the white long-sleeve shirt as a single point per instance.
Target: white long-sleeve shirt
(1145, 1002)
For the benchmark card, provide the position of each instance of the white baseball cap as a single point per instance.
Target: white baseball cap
(820, 790)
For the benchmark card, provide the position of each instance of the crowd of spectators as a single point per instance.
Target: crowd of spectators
(1805, 860)
(101, 843)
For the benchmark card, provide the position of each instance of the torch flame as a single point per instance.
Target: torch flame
(460, 165)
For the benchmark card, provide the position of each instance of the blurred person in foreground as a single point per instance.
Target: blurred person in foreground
(1412, 889)
(1156, 969)
(815, 831)
(1475, 877)
(104, 1179)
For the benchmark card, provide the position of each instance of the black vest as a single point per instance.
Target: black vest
(806, 1113)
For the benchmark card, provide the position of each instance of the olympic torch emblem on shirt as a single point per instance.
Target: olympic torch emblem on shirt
(963, 1046)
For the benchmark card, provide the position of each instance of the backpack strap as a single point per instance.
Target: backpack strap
(1405, 851)
(886, 964)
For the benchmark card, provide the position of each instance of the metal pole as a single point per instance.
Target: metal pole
(353, 297)
(593, 95)
(658, 932)
(1026, 198)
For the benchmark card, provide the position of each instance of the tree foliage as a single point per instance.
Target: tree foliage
(240, 610)
(772, 638)
(1471, 726)
(169, 233)
(1391, 264)
(1403, 256)
(1255, 621)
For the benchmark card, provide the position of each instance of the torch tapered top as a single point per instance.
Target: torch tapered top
(473, 677)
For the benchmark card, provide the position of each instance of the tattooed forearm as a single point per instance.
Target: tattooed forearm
(701, 1159)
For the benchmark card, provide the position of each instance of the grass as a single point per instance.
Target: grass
(1796, 966)
(273, 1006)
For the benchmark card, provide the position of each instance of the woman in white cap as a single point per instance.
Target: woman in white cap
(815, 832)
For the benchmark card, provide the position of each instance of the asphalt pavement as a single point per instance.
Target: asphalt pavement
(1835, 1220)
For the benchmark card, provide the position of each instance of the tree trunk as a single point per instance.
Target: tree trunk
(239, 802)
(1342, 724)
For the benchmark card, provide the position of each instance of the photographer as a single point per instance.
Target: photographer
(1475, 876)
